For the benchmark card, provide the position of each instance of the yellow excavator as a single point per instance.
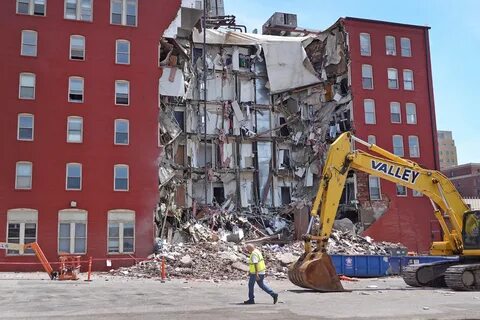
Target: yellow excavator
(460, 226)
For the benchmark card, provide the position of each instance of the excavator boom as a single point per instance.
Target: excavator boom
(314, 269)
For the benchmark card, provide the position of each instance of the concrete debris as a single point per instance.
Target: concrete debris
(220, 260)
(342, 242)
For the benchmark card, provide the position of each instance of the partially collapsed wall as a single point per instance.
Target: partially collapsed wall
(255, 148)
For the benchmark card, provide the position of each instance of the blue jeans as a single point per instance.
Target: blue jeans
(251, 284)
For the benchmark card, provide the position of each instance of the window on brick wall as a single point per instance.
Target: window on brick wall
(77, 47)
(25, 127)
(73, 176)
(123, 12)
(29, 43)
(367, 76)
(411, 110)
(401, 190)
(374, 188)
(395, 112)
(72, 231)
(122, 92)
(78, 10)
(121, 131)
(408, 80)
(406, 47)
(398, 145)
(121, 231)
(390, 47)
(365, 46)
(413, 147)
(21, 229)
(23, 175)
(32, 7)
(369, 108)
(392, 78)
(27, 86)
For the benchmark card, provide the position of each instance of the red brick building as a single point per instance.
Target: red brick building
(394, 108)
(466, 178)
(79, 125)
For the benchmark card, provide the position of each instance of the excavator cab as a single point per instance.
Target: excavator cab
(471, 230)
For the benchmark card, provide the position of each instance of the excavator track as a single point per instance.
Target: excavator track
(426, 275)
(463, 277)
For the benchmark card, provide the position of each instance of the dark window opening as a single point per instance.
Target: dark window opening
(284, 131)
(180, 117)
(218, 195)
(286, 197)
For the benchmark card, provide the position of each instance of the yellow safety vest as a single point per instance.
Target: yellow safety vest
(261, 263)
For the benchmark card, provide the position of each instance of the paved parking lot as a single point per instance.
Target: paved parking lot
(33, 296)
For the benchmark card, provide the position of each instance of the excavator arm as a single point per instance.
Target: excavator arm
(314, 269)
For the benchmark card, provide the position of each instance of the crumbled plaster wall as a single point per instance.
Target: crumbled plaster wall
(264, 150)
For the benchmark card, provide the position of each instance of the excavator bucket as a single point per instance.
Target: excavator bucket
(315, 270)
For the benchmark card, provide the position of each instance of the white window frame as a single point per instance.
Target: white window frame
(366, 68)
(124, 13)
(396, 78)
(362, 52)
(372, 139)
(22, 44)
(390, 51)
(365, 101)
(72, 217)
(29, 115)
(404, 188)
(115, 177)
(405, 82)
(410, 147)
(394, 105)
(79, 11)
(77, 36)
(122, 217)
(411, 104)
(31, 8)
(22, 216)
(117, 42)
(69, 89)
(68, 129)
(402, 47)
(17, 176)
(370, 178)
(115, 132)
(118, 82)
(393, 144)
(25, 74)
(67, 176)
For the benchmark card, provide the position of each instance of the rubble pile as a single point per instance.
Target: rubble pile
(222, 260)
(344, 242)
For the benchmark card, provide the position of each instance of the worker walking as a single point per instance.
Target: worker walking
(257, 274)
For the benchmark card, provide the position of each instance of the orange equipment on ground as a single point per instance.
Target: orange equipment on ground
(69, 265)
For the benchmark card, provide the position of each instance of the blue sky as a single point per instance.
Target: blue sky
(454, 44)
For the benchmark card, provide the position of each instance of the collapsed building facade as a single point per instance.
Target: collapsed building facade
(246, 121)
(256, 146)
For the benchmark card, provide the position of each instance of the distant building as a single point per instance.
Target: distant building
(446, 149)
(466, 178)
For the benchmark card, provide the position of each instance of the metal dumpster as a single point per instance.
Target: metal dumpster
(361, 265)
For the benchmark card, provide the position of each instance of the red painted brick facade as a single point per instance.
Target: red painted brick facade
(399, 219)
(49, 152)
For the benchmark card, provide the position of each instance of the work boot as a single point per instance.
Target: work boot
(275, 298)
(249, 302)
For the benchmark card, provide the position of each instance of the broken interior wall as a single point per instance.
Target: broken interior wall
(273, 106)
